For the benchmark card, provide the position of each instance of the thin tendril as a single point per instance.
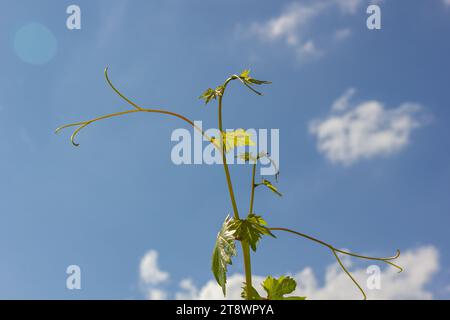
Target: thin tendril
(69, 125)
(72, 137)
(83, 124)
(266, 155)
(118, 92)
(349, 274)
(386, 260)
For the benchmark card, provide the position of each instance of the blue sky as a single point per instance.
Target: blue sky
(118, 196)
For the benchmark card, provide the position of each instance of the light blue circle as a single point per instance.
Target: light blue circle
(35, 44)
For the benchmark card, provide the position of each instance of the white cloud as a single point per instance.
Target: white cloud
(367, 130)
(343, 102)
(212, 291)
(446, 2)
(157, 294)
(149, 271)
(286, 26)
(419, 267)
(349, 6)
(294, 25)
(189, 290)
(309, 49)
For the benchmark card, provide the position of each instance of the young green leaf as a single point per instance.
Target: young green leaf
(251, 230)
(254, 295)
(237, 138)
(277, 288)
(269, 185)
(249, 81)
(224, 250)
(255, 81)
(210, 94)
(245, 76)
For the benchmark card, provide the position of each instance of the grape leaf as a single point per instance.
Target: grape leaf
(254, 295)
(272, 188)
(210, 94)
(237, 138)
(224, 250)
(251, 229)
(249, 81)
(277, 288)
(245, 76)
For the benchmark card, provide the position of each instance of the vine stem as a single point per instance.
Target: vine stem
(221, 147)
(245, 246)
(225, 165)
(252, 195)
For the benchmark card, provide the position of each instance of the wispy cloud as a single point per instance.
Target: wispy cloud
(294, 25)
(342, 34)
(349, 134)
(343, 102)
(349, 6)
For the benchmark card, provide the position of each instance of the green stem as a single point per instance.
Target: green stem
(225, 166)
(244, 244)
(252, 196)
(247, 269)
(246, 247)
